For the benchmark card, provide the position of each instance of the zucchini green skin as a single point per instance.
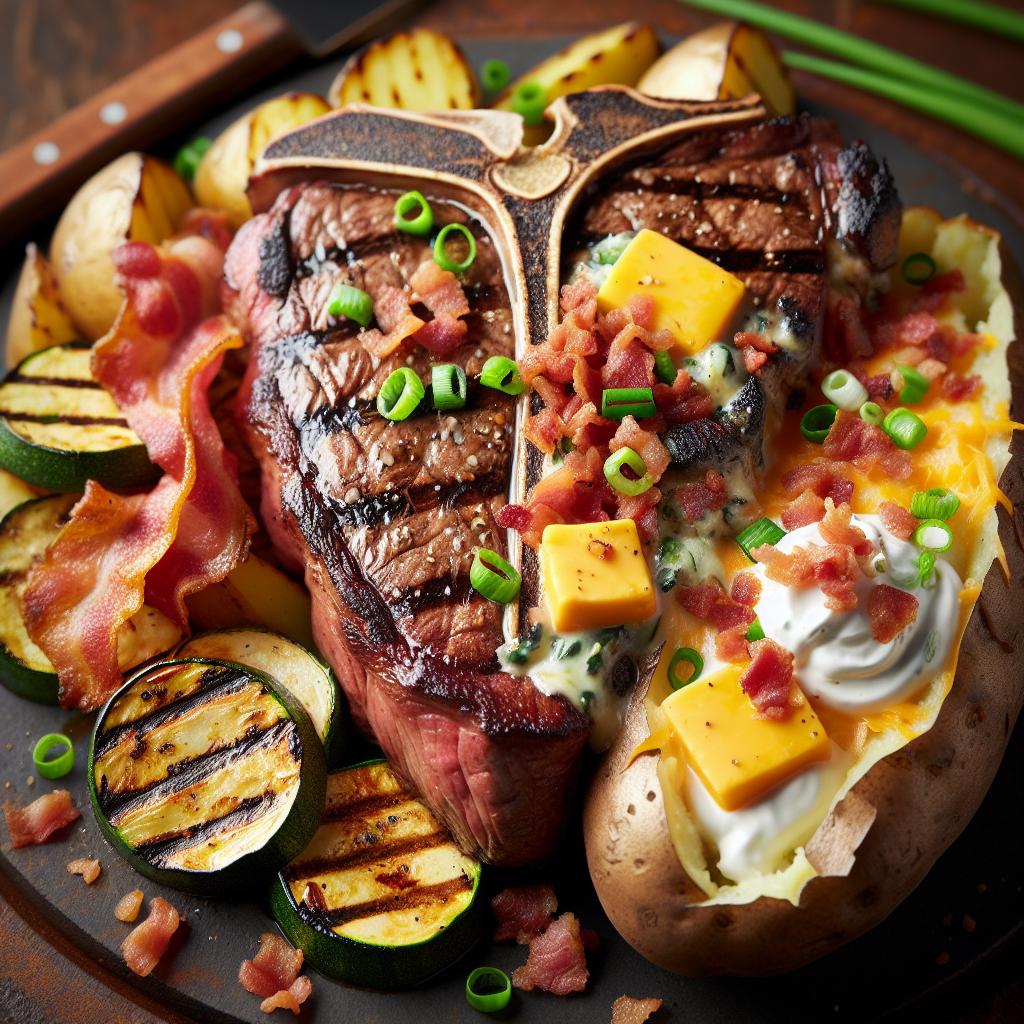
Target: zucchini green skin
(371, 965)
(62, 469)
(220, 642)
(250, 871)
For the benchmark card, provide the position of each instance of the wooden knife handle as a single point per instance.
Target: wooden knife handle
(39, 173)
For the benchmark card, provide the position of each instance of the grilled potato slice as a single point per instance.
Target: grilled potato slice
(38, 317)
(616, 56)
(223, 173)
(416, 70)
(135, 198)
(725, 61)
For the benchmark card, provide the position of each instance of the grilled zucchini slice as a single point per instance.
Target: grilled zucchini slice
(60, 428)
(382, 897)
(206, 776)
(307, 678)
(25, 533)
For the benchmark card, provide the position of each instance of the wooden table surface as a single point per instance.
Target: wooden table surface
(59, 52)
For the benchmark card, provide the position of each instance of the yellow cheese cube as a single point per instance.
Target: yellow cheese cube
(693, 298)
(738, 755)
(595, 575)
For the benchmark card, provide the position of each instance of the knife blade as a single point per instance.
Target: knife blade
(232, 55)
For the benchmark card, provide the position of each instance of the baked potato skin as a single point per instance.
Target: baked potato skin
(925, 794)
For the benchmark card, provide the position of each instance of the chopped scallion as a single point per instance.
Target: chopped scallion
(630, 486)
(495, 75)
(764, 531)
(493, 577)
(441, 257)
(918, 268)
(488, 990)
(190, 156)
(664, 368)
(413, 214)
(502, 374)
(691, 657)
(934, 535)
(449, 387)
(905, 428)
(817, 422)
(352, 303)
(54, 767)
(400, 394)
(935, 503)
(915, 385)
(842, 389)
(530, 101)
(873, 413)
(755, 633)
(617, 403)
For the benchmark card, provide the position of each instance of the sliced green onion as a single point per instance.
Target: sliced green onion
(493, 577)
(873, 413)
(664, 368)
(918, 268)
(755, 633)
(925, 575)
(502, 374)
(915, 385)
(488, 990)
(817, 422)
(842, 389)
(617, 403)
(764, 531)
(529, 101)
(351, 302)
(188, 158)
(400, 395)
(692, 657)
(630, 486)
(905, 428)
(441, 257)
(495, 75)
(413, 214)
(934, 535)
(54, 767)
(448, 384)
(936, 503)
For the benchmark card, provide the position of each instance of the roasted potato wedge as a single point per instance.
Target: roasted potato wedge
(616, 56)
(38, 317)
(223, 173)
(136, 197)
(13, 492)
(725, 61)
(416, 70)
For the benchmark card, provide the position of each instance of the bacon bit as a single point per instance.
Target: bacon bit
(645, 443)
(88, 869)
(627, 1010)
(931, 369)
(439, 290)
(580, 299)
(41, 819)
(768, 682)
(128, 906)
(700, 497)
(833, 568)
(897, 520)
(628, 366)
(397, 322)
(442, 335)
(823, 476)
(709, 602)
(683, 400)
(643, 510)
(852, 440)
(806, 509)
(753, 360)
(731, 644)
(523, 912)
(957, 388)
(146, 943)
(274, 967)
(557, 961)
(878, 387)
(947, 283)
(755, 340)
(290, 998)
(845, 336)
(837, 528)
(890, 610)
(746, 589)
(599, 549)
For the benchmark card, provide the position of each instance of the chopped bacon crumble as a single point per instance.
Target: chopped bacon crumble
(147, 942)
(768, 682)
(557, 960)
(88, 869)
(629, 1010)
(523, 911)
(897, 520)
(273, 974)
(128, 906)
(890, 611)
(40, 820)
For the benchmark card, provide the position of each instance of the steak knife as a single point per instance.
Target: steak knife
(232, 55)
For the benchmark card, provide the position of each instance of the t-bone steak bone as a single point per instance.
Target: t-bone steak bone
(383, 517)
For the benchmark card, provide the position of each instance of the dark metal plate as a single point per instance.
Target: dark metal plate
(914, 960)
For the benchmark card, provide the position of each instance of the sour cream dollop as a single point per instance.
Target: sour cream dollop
(837, 659)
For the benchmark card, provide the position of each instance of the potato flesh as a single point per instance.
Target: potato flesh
(38, 318)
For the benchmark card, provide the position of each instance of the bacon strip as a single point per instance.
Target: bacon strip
(557, 961)
(523, 911)
(45, 816)
(146, 943)
(890, 610)
(193, 528)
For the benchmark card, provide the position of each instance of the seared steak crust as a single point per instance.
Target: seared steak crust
(383, 517)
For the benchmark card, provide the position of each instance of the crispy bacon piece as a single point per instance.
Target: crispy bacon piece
(439, 290)
(756, 349)
(879, 386)
(557, 961)
(290, 998)
(802, 511)
(768, 682)
(833, 568)
(523, 911)
(88, 869)
(581, 300)
(44, 817)
(699, 497)
(890, 610)
(852, 440)
(274, 967)
(709, 602)
(683, 400)
(897, 520)
(958, 388)
(627, 1010)
(193, 528)
(825, 477)
(837, 528)
(396, 322)
(645, 443)
(128, 906)
(746, 589)
(146, 943)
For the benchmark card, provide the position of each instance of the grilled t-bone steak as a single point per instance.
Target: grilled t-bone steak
(383, 517)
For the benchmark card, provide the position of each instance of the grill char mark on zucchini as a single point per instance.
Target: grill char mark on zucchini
(418, 897)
